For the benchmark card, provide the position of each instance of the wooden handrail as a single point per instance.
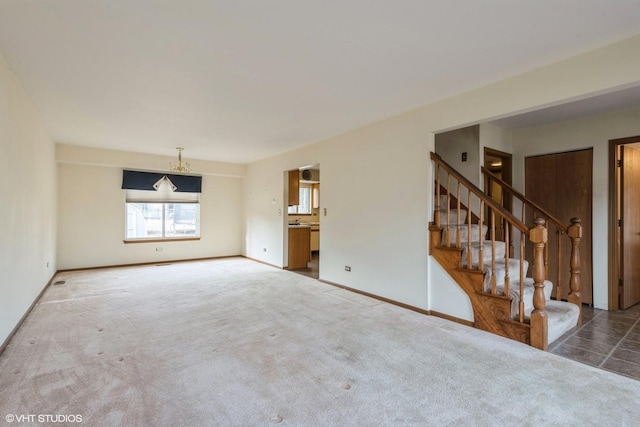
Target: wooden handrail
(561, 227)
(495, 309)
(480, 194)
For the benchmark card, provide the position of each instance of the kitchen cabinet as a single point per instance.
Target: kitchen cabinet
(315, 239)
(294, 187)
(299, 246)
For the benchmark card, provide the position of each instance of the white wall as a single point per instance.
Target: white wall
(28, 203)
(494, 137)
(450, 146)
(365, 181)
(589, 132)
(91, 220)
(377, 181)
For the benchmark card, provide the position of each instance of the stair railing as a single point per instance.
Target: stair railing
(572, 231)
(477, 201)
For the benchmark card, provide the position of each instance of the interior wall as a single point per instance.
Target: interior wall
(28, 200)
(494, 137)
(359, 198)
(588, 132)
(91, 220)
(377, 180)
(451, 145)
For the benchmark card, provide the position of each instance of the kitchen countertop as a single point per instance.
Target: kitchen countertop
(305, 225)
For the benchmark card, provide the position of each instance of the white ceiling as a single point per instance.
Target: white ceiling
(613, 101)
(241, 80)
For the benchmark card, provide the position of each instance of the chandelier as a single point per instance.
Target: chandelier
(183, 167)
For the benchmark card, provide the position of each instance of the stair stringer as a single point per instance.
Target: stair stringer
(492, 313)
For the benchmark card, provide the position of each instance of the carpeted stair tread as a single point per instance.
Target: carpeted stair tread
(452, 218)
(562, 316)
(498, 253)
(475, 232)
(500, 271)
(527, 297)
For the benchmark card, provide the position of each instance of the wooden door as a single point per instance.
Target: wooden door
(562, 185)
(630, 226)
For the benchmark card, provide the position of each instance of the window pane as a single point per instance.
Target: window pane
(158, 220)
(182, 219)
(144, 220)
(305, 200)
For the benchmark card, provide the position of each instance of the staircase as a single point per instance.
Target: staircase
(482, 247)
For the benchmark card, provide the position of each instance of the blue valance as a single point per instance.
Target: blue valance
(134, 180)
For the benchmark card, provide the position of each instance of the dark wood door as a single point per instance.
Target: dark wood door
(562, 184)
(630, 226)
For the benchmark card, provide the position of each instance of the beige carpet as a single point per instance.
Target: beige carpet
(236, 343)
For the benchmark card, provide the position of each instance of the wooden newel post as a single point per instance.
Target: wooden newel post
(539, 321)
(435, 237)
(575, 233)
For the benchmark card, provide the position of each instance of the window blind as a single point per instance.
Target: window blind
(143, 196)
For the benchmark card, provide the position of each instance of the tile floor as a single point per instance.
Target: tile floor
(606, 339)
(312, 269)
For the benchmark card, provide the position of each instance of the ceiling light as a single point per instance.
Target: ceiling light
(183, 167)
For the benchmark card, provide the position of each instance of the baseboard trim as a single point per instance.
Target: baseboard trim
(452, 318)
(265, 263)
(378, 297)
(140, 264)
(403, 305)
(26, 314)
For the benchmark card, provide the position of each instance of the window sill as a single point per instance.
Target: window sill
(166, 239)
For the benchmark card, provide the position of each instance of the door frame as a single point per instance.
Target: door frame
(507, 172)
(615, 258)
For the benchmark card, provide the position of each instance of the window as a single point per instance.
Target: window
(162, 214)
(305, 202)
(162, 220)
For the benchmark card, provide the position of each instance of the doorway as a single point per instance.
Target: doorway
(499, 164)
(303, 221)
(624, 223)
(562, 184)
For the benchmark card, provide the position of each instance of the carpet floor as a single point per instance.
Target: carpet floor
(237, 343)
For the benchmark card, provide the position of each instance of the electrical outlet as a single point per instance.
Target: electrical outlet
(159, 249)
(347, 268)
